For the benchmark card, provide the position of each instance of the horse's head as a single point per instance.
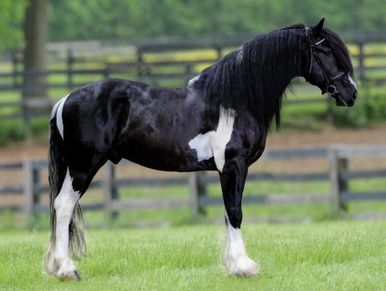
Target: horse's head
(330, 66)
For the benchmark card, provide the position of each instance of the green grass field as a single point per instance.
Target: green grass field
(319, 256)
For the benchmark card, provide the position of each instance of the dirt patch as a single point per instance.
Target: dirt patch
(362, 136)
(21, 151)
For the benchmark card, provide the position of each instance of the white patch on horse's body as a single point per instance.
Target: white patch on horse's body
(64, 206)
(203, 146)
(352, 81)
(213, 143)
(236, 259)
(239, 56)
(58, 110)
(55, 108)
(194, 79)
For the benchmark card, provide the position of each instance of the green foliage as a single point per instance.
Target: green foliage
(375, 107)
(110, 19)
(11, 19)
(369, 108)
(11, 131)
(350, 116)
(40, 127)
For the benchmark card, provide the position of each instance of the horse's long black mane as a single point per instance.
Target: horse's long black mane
(255, 76)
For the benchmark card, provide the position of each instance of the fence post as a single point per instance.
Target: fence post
(106, 71)
(15, 72)
(140, 72)
(197, 187)
(70, 62)
(218, 49)
(110, 190)
(31, 191)
(361, 61)
(27, 91)
(343, 180)
(338, 180)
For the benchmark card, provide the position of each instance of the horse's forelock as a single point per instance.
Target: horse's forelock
(339, 49)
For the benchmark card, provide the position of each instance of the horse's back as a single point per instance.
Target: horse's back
(117, 119)
(92, 116)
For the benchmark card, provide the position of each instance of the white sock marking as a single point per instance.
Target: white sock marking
(236, 259)
(64, 206)
(58, 109)
(235, 245)
(213, 143)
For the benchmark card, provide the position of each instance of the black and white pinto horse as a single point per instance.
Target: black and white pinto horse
(218, 122)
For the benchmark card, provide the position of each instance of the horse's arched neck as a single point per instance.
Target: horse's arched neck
(274, 73)
(254, 77)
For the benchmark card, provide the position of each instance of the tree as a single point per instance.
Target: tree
(11, 19)
(35, 34)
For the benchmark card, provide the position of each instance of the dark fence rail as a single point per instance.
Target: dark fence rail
(81, 67)
(78, 55)
(339, 177)
(143, 67)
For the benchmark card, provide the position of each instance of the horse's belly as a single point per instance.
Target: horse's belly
(164, 157)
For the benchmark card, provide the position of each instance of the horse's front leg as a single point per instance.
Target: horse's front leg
(236, 259)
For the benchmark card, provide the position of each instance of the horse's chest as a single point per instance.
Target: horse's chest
(212, 144)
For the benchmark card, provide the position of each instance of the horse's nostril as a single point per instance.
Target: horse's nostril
(355, 95)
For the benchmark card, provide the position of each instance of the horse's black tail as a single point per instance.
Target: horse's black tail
(57, 169)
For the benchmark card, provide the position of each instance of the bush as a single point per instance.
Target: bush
(375, 107)
(11, 131)
(350, 116)
(369, 108)
(40, 127)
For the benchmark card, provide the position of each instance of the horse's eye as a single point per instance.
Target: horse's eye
(325, 51)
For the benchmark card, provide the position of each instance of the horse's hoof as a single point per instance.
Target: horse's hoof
(69, 276)
(242, 267)
(246, 267)
(247, 273)
(77, 275)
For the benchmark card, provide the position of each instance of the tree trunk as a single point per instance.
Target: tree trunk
(35, 33)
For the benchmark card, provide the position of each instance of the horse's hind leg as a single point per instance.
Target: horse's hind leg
(67, 237)
(64, 205)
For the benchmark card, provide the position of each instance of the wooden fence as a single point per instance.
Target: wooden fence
(338, 177)
(79, 69)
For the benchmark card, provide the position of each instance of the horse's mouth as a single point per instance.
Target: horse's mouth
(341, 101)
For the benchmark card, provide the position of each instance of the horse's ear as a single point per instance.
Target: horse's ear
(318, 28)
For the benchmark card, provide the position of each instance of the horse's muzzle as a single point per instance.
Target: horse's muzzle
(341, 101)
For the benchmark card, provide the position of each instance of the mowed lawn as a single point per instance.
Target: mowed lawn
(317, 256)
